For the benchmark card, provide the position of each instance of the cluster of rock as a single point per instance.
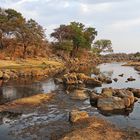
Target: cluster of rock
(115, 99)
(77, 79)
(82, 79)
(76, 115)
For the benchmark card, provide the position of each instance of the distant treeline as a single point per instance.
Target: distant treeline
(121, 57)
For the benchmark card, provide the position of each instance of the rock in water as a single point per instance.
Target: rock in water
(121, 75)
(136, 92)
(79, 95)
(131, 79)
(107, 92)
(94, 98)
(115, 79)
(93, 82)
(76, 115)
(110, 104)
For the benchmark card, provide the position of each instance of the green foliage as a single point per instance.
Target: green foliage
(137, 54)
(66, 46)
(95, 51)
(102, 45)
(77, 34)
(27, 32)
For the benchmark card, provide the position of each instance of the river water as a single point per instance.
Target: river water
(51, 120)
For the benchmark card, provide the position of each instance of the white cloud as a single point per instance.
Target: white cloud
(118, 20)
(101, 7)
(125, 24)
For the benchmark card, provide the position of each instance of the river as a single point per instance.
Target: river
(51, 120)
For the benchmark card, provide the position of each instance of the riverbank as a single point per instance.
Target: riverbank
(40, 67)
(38, 113)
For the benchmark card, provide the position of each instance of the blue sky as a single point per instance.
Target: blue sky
(117, 20)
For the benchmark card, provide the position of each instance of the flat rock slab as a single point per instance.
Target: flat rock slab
(27, 102)
(95, 129)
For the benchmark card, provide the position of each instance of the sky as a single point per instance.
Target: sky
(117, 20)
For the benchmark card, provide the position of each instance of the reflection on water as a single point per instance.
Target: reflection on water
(52, 119)
(12, 92)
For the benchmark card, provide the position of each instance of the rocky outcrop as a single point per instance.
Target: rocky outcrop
(111, 103)
(75, 116)
(136, 92)
(80, 78)
(94, 128)
(113, 99)
(104, 79)
(126, 95)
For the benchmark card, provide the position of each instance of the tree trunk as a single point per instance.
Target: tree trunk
(74, 51)
(1, 42)
(24, 51)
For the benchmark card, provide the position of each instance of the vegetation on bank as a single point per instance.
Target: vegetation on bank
(29, 63)
(22, 38)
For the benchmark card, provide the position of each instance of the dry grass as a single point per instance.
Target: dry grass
(29, 63)
(95, 129)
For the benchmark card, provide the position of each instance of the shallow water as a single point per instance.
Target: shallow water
(113, 70)
(51, 120)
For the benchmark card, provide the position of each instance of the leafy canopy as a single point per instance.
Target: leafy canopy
(77, 34)
(102, 45)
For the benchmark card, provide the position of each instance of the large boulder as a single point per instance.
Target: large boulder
(123, 93)
(79, 95)
(136, 92)
(93, 82)
(107, 92)
(76, 115)
(111, 103)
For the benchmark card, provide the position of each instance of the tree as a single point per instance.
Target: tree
(77, 34)
(102, 45)
(10, 21)
(30, 33)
